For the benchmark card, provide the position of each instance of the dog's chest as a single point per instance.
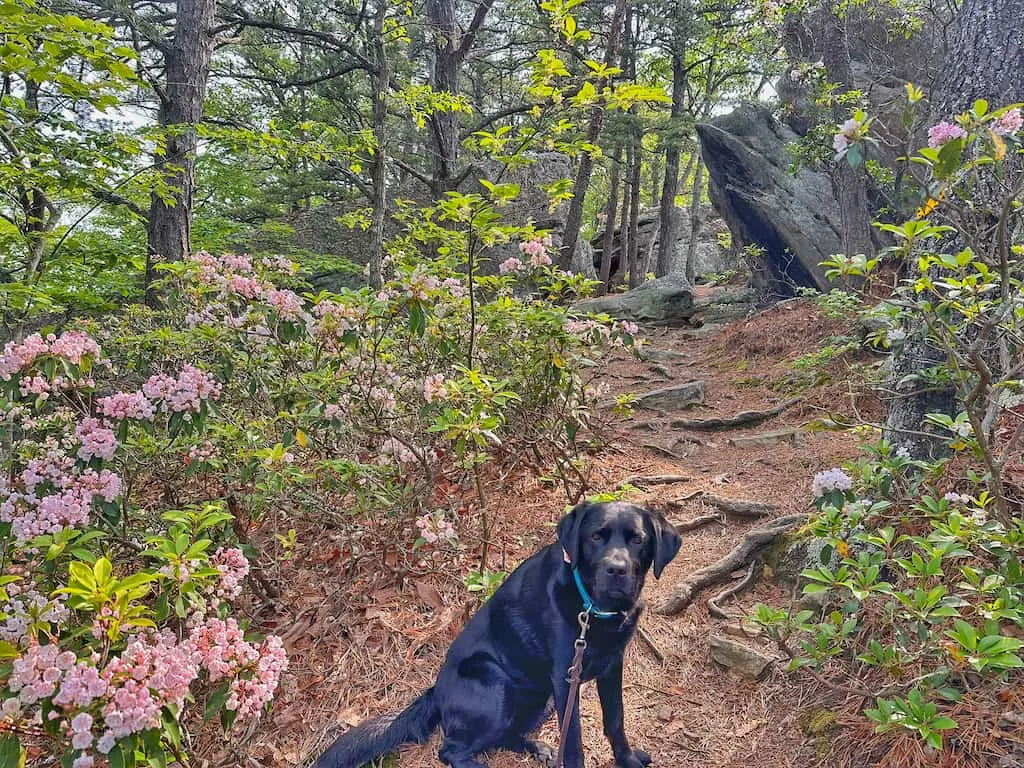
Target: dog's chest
(605, 646)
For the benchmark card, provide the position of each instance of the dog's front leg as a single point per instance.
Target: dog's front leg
(573, 736)
(609, 689)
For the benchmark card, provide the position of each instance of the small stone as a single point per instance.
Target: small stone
(655, 355)
(739, 657)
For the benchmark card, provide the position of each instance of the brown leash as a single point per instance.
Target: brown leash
(574, 677)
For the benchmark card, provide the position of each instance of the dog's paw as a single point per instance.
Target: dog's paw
(546, 754)
(636, 758)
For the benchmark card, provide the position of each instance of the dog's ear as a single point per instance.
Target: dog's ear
(664, 538)
(569, 532)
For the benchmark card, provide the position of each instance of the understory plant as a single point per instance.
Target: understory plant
(920, 569)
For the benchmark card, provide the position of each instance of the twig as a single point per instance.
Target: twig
(651, 645)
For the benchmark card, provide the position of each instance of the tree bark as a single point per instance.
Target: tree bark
(698, 191)
(451, 46)
(984, 61)
(382, 82)
(609, 230)
(635, 272)
(620, 271)
(670, 189)
(187, 63)
(848, 183)
(574, 217)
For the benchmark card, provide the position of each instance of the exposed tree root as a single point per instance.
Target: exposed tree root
(714, 603)
(750, 545)
(742, 419)
(651, 645)
(645, 481)
(740, 507)
(689, 525)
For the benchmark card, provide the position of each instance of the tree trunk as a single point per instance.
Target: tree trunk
(624, 215)
(670, 189)
(636, 276)
(451, 46)
(609, 228)
(380, 113)
(698, 191)
(984, 61)
(574, 217)
(168, 230)
(848, 183)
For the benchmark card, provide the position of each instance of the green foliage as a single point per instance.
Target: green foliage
(923, 558)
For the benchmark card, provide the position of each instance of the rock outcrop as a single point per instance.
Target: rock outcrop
(794, 218)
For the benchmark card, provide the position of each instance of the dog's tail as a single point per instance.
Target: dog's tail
(376, 737)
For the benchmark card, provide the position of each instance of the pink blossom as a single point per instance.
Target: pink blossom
(455, 287)
(184, 394)
(509, 265)
(942, 133)
(433, 387)
(249, 287)
(15, 356)
(97, 440)
(235, 263)
(234, 567)
(287, 304)
(1009, 123)
(126, 405)
(75, 346)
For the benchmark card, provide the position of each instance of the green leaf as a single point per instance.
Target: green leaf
(10, 751)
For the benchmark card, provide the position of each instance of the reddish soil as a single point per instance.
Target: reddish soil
(365, 635)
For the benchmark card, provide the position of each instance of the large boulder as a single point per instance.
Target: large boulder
(794, 218)
(665, 301)
(672, 301)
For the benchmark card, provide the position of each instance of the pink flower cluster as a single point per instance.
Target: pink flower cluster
(1009, 123)
(433, 387)
(97, 440)
(455, 287)
(847, 134)
(287, 304)
(510, 265)
(30, 608)
(98, 706)
(537, 249)
(234, 567)
(420, 285)
(224, 652)
(942, 133)
(126, 405)
(434, 528)
(73, 346)
(50, 494)
(184, 394)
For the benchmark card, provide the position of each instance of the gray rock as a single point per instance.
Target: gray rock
(673, 398)
(793, 217)
(655, 355)
(739, 657)
(665, 301)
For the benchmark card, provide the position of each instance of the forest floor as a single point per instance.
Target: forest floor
(365, 634)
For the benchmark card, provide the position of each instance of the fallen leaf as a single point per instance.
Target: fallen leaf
(747, 728)
(349, 716)
(429, 595)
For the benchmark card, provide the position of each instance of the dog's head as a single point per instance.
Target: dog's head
(613, 545)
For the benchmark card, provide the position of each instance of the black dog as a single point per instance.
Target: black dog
(510, 661)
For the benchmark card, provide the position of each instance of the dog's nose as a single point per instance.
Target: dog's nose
(616, 568)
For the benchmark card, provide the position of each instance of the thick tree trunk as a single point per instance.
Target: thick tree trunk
(636, 276)
(169, 225)
(609, 224)
(620, 272)
(451, 46)
(380, 193)
(985, 61)
(670, 189)
(848, 183)
(574, 217)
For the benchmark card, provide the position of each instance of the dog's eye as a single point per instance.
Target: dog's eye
(636, 538)
(596, 537)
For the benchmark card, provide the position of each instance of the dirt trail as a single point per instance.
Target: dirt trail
(366, 643)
